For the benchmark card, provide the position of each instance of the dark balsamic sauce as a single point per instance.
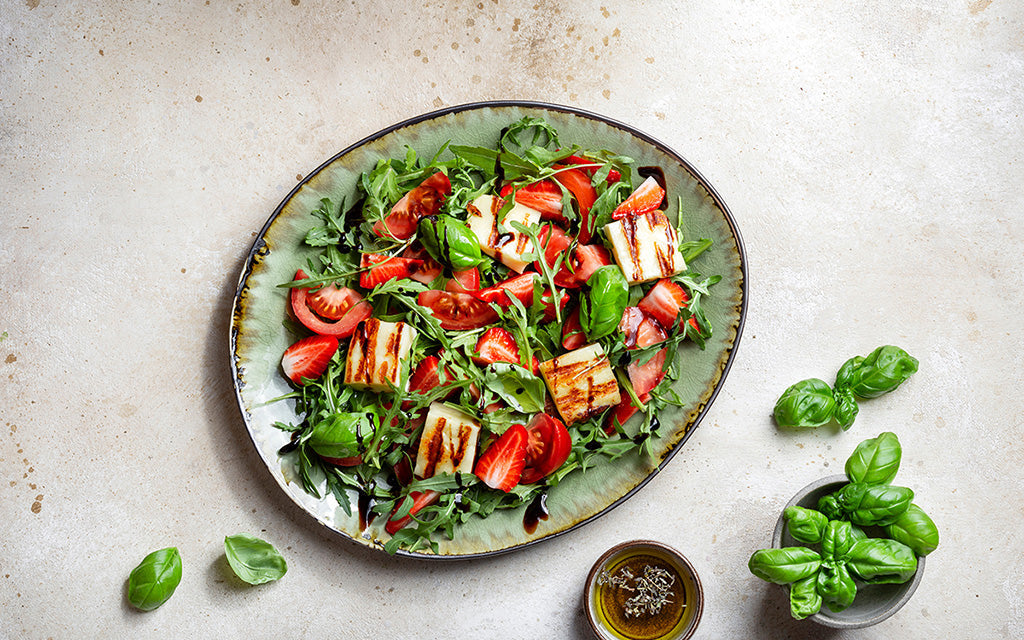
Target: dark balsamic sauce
(537, 511)
(366, 514)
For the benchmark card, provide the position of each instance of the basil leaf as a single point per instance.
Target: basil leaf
(805, 525)
(916, 530)
(449, 241)
(785, 565)
(836, 587)
(340, 434)
(153, 582)
(804, 600)
(875, 460)
(253, 560)
(882, 371)
(846, 407)
(808, 403)
(881, 561)
(837, 540)
(516, 386)
(877, 504)
(601, 309)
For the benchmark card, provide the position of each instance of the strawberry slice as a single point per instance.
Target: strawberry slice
(332, 302)
(544, 196)
(645, 377)
(427, 375)
(622, 412)
(663, 303)
(520, 287)
(466, 281)
(501, 466)
(496, 345)
(381, 268)
(308, 358)
(646, 198)
(587, 259)
(420, 499)
(639, 329)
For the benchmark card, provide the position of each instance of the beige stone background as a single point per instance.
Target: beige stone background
(870, 152)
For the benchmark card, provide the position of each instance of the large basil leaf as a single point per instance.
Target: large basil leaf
(804, 600)
(805, 525)
(883, 370)
(785, 565)
(875, 460)
(340, 434)
(601, 309)
(846, 407)
(253, 560)
(836, 587)
(516, 386)
(449, 241)
(153, 582)
(880, 561)
(881, 504)
(808, 403)
(916, 530)
(837, 540)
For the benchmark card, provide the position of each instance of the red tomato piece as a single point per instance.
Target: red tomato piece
(573, 336)
(420, 499)
(343, 328)
(380, 269)
(501, 466)
(663, 303)
(424, 200)
(464, 281)
(622, 412)
(544, 196)
(578, 184)
(645, 377)
(458, 311)
(308, 358)
(426, 272)
(520, 286)
(549, 305)
(555, 244)
(639, 329)
(332, 302)
(587, 259)
(344, 462)
(646, 198)
(547, 449)
(613, 174)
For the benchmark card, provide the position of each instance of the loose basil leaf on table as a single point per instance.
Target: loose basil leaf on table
(153, 582)
(804, 599)
(340, 434)
(785, 565)
(882, 371)
(882, 561)
(846, 407)
(915, 529)
(808, 403)
(835, 585)
(805, 525)
(253, 560)
(449, 241)
(876, 460)
(601, 309)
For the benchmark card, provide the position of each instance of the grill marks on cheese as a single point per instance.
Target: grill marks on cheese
(375, 354)
(448, 442)
(581, 382)
(645, 247)
(510, 245)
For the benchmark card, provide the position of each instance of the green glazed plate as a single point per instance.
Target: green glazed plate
(258, 337)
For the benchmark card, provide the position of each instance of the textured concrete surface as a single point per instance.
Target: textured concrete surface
(870, 152)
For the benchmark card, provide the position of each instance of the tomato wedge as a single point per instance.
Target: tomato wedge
(573, 336)
(544, 196)
(343, 328)
(424, 200)
(587, 259)
(520, 287)
(458, 311)
(578, 184)
(464, 281)
(332, 302)
(622, 412)
(428, 270)
(646, 198)
(547, 449)
(613, 174)
(420, 499)
(555, 244)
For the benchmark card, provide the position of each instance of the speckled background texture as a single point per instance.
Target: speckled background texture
(871, 154)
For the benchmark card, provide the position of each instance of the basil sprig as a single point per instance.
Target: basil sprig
(253, 560)
(449, 241)
(601, 309)
(153, 582)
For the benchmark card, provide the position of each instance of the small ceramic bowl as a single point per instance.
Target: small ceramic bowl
(874, 602)
(612, 587)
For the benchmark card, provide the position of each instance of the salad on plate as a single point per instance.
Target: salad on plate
(481, 324)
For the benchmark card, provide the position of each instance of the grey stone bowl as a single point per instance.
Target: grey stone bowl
(874, 602)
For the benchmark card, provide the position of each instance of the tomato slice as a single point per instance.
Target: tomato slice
(332, 302)
(424, 200)
(646, 198)
(555, 244)
(520, 286)
(547, 449)
(428, 270)
(458, 311)
(464, 281)
(622, 412)
(613, 174)
(343, 328)
(420, 499)
(573, 336)
(587, 259)
(578, 184)
(380, 268)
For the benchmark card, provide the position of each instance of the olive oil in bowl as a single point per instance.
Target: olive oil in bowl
(643, 590)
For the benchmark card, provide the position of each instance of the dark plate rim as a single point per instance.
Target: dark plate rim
(259, 243)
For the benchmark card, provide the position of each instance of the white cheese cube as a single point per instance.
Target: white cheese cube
(502, 242)
(645, 247)
(448, 443)
(375, 354)
(581, 382)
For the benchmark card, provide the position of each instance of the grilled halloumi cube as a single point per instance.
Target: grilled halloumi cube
(448, 443)
(581, 382)
(375, 354)
(504, 244)
(645, 247)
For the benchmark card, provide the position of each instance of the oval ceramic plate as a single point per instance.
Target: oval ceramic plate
(258, 337)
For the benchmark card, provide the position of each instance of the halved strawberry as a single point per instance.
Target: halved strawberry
(420, 499)
(663, 303)
(332, 302)
(466, 281)
(646, 198)
(424, 200)
(587, 259)
(426, 376)
(308, 358)
(520, 286)
(496, 345)
(381, 268)
(501, 466)
(573, 336)
(645, 377)
(544, 196)
(639, 329)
